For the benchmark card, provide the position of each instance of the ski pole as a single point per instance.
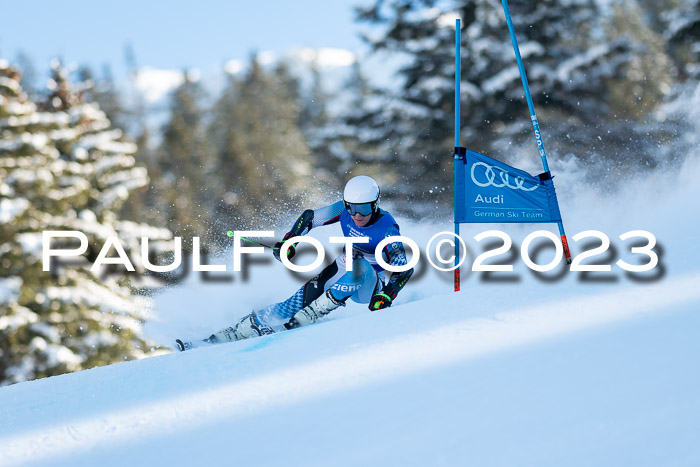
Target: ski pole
(258, 243)
(230, 234)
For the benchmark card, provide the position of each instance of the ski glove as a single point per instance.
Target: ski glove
(303, 224)
(383, 298)
(278, 246)
(379, 300)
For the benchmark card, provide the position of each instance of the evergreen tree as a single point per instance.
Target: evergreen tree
(314, 112)
(29, 77)
(186, 162)
(103, 91)
(681, 30)
(263, 157)
(147, 203)
(63, 168)
(677, 22)
(345, 148)
(598, 71)
(579, 71)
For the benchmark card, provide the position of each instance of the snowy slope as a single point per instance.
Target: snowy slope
(568, 369)
(534, 386)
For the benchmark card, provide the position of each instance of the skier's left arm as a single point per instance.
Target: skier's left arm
(395, 255)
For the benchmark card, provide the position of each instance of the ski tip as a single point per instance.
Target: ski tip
(292, 324)
(181, 346)
(188, 345)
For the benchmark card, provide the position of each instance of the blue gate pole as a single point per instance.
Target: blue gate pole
(457, 159)
(526, 87)
(533, 116)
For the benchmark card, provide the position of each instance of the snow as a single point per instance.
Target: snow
(448, 20)
(11, 208)
(568, 369)
(18, 108)
(325, 57)
(32, 243)
(121, 192)
(517, 369)
(107, 163)
(56, 354)
(34, 118)
(76, 185)
(233, 67)
(9, 290)
(678, 21)
(21, 315)
(105, 297)
(34, 140)
(46, 330)
(10, 84)
(155, 84)
(567, 67)
(391, 390)
(501, 80)
(6, 190)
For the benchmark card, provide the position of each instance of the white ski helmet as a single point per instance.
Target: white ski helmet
(361, 190)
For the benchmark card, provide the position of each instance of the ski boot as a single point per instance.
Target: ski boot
(315, 310)
(247, 327)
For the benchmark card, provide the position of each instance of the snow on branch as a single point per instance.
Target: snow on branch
(11, 208)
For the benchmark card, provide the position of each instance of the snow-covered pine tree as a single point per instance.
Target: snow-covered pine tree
(62, 167)
(352, 144)
(407, 131)
(338, 139)
(29, 79)
(678, 23)
(104, 93)
(576, 67)
(681, 29)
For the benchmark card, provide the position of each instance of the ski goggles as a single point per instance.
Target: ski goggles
(364, 209)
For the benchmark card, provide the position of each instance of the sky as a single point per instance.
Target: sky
(172, 34)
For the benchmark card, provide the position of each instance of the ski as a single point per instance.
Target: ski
(274, 330)
(183, 345)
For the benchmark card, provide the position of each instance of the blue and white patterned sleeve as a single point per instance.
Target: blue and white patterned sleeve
(315, 218)
(327, 214)
(394, 252)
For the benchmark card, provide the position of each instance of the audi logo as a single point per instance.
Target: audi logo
(506, 179)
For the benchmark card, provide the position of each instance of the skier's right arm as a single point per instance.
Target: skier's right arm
(307, 221)
(327, 215)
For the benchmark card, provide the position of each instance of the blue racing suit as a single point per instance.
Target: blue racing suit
(366, 278)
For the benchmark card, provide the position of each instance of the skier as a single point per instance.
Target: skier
(359, 216)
